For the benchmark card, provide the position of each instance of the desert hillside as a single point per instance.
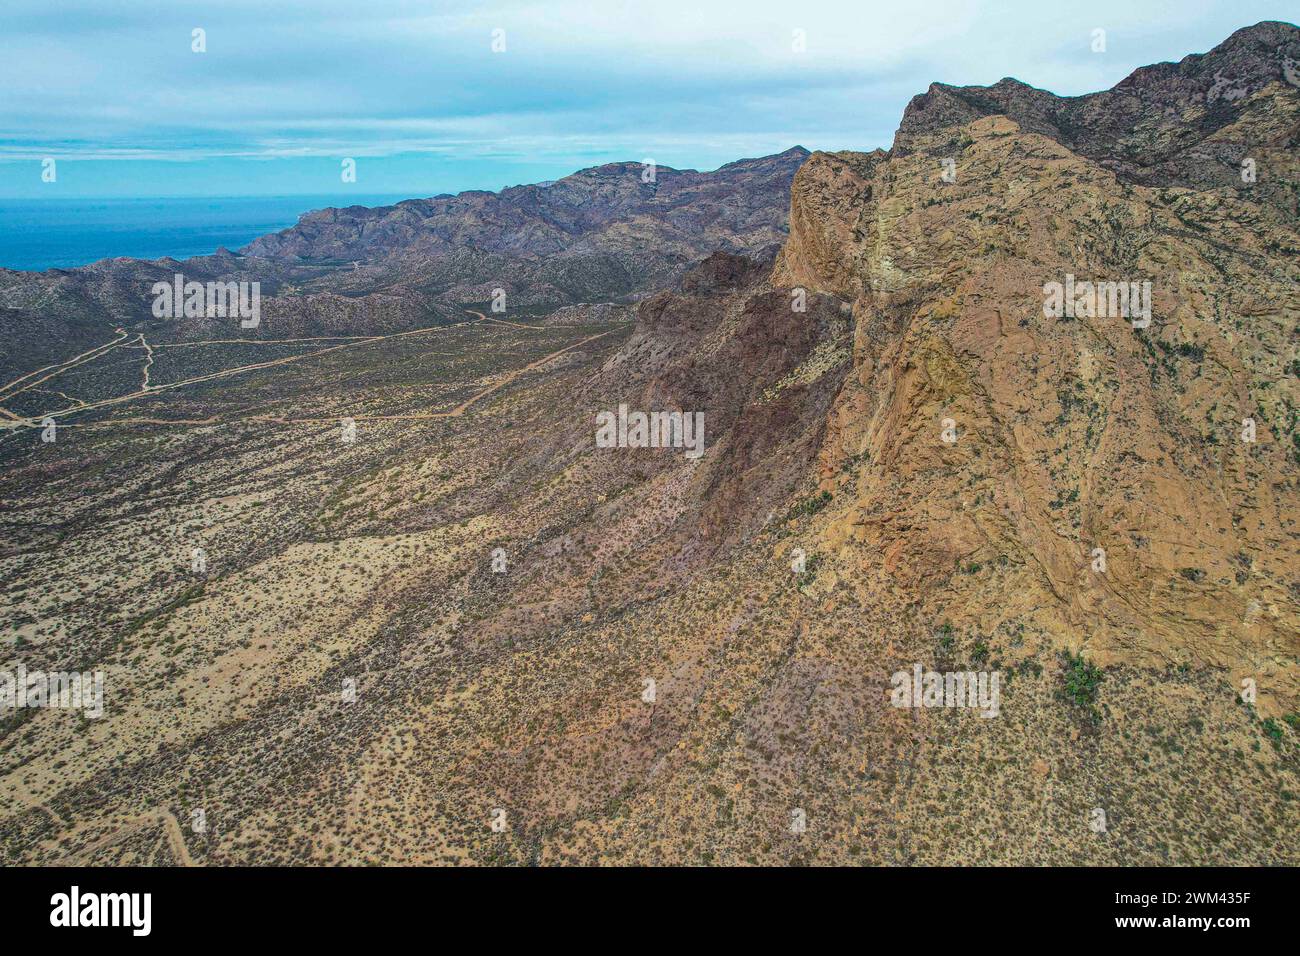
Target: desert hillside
(463, 630)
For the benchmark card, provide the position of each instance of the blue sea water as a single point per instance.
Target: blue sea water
(62, 233)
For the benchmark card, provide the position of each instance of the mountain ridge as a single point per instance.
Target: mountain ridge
(948, 277)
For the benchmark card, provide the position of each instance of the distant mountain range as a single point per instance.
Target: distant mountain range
(613, 232)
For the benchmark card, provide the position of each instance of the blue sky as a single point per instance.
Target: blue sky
(112, 90)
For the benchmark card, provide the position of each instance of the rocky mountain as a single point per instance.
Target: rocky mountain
(1081, 432)
(612, 233)
(1187, 124)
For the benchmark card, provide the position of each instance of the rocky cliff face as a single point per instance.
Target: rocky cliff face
(1078, 432)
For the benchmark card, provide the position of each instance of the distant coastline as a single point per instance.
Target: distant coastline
(39, 234)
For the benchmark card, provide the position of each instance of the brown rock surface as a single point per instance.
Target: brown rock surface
(1079, 433)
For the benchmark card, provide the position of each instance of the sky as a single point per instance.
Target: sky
(432, 97)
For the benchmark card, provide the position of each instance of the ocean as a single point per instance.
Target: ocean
(62, 233)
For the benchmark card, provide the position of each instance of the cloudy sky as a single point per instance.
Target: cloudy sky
(414, 92)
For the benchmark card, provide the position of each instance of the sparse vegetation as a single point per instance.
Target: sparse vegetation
(809, 506)
(1080, 682)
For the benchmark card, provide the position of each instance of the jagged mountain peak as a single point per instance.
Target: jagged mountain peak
(1176, 124)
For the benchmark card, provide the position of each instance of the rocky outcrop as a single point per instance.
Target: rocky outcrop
(1188, 124)
(909, 460)
(986, 434)
(727, 345)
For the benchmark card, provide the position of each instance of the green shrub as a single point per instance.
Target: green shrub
(1081, 681)
(809, 506)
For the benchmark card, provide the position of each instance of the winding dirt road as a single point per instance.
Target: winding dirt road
(148, 389)
(61, 367)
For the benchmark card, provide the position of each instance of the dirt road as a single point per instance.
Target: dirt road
(149, 389)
